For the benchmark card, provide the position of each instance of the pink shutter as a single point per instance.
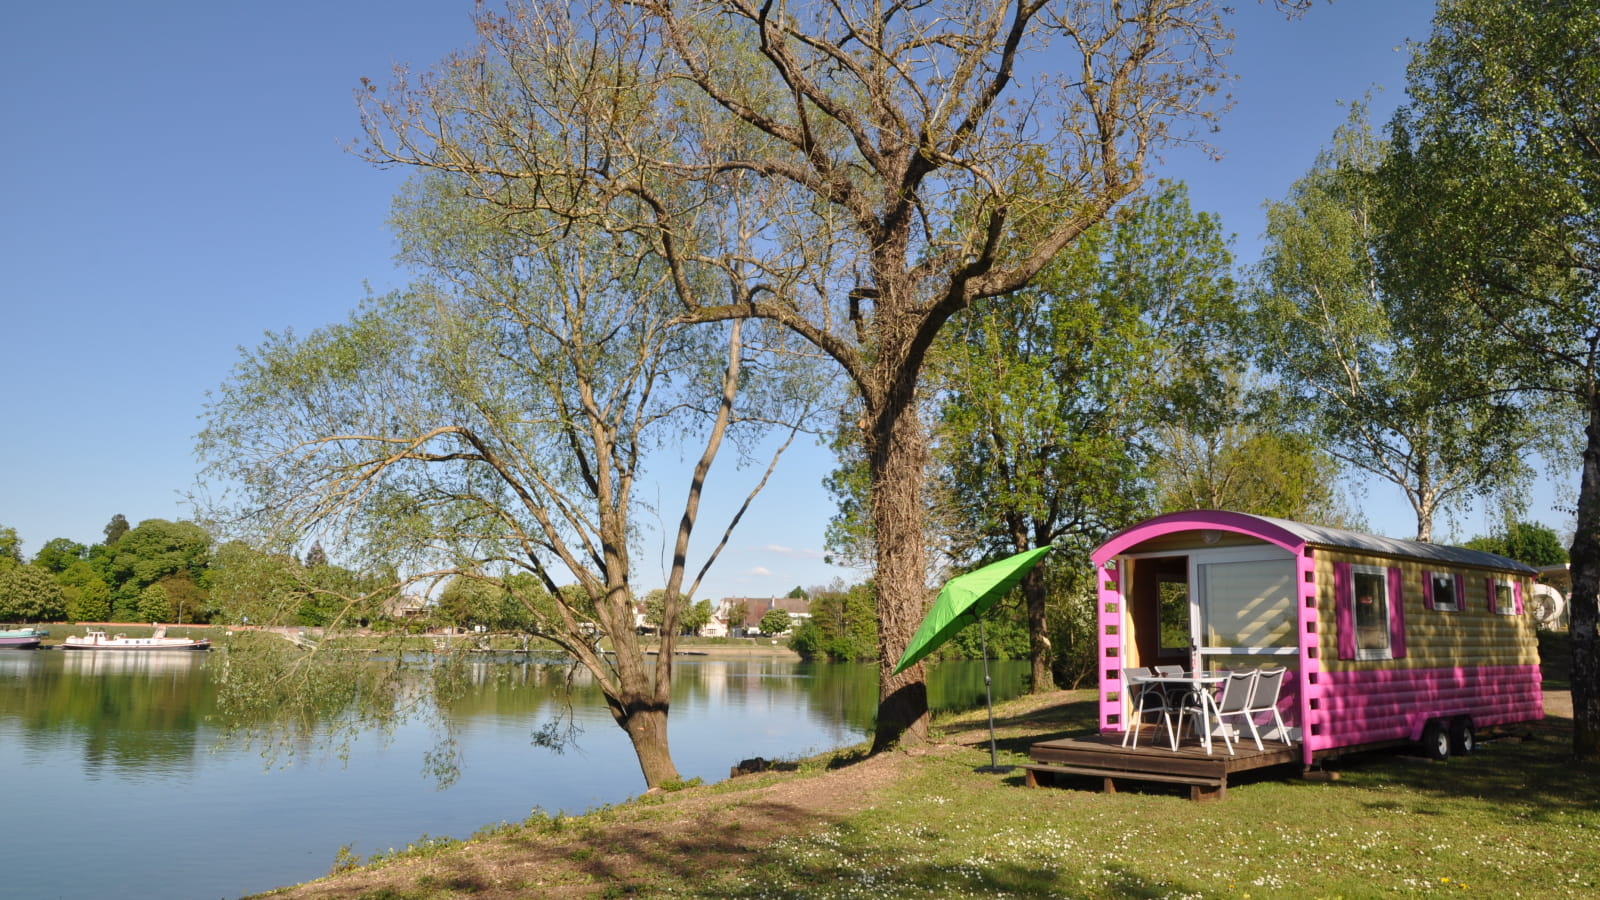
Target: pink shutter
(1461, 592)
(1427, 589)
(1397, 617)
(1343, 613)
(1488, 586)
(1516, 597)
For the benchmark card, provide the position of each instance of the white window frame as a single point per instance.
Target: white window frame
(1382, 573)
(1449, 604)
(1508, 608)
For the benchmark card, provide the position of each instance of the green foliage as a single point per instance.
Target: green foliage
(1380, 400)
(88, 602)
(679, 784)
(154, 550)
(10, 548)
(1526, 542)
(696, 617)
(797, 593)
(843, 626)
(154, 604)
(1237, 452)
(738, 612)
(316, 556)
(115, 529)
(1495, 177)
(1046, 397)
(30, 594)
(59, 553)
(1004, 633)
(775, 621)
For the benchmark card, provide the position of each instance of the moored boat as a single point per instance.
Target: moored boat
(21, 638)
(97, 640)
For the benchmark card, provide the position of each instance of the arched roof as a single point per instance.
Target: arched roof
(1295, 536)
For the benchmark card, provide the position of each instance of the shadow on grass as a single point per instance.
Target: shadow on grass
(628, 858)
(1530, 770)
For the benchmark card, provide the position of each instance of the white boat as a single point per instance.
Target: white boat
(97, 640)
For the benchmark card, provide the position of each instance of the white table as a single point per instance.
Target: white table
(1199, 683)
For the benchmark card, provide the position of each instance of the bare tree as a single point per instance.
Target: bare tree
(870, 161)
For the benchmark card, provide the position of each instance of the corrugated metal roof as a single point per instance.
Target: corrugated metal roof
(1335, 537)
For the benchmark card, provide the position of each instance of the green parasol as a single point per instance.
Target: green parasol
(962, 601)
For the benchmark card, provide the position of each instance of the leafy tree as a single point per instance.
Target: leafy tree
(1232, 449)
(154, 604)
(158, 549)
(316, 556)
(775, 621)
(797, 593)
(467, 601)
(10, 548)
(695, 617)
(878, 166)
(1525, 542)
(842, 627)
(88, 602)
(1495, 175)
(188, 600)
(115, 529)
(1383, 402)
(59, 553)
(1046, 396)
(491, 423)
(30, 594)
(738, 612)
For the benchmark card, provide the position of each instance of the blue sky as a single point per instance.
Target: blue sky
(175, 185)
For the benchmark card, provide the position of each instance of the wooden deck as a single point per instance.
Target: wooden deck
(1104, 757)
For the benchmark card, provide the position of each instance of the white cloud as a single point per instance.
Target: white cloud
(781, 550)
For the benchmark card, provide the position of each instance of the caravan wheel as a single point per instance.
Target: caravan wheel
(1435, 741)
(1463, 740)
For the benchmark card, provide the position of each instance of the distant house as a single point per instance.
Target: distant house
(407, 606)
(798, 608)
(718, 626)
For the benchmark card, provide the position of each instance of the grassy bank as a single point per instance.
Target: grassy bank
(1518, 818)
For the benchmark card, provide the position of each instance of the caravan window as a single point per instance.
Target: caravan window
(1443, 587)
(1504, 600)
(1248, 605)
(1371, 591)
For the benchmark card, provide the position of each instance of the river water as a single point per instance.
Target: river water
(116, 785)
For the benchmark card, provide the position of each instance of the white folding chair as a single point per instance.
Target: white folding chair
(1264, 699)
(1234, 701)
(1150, 700)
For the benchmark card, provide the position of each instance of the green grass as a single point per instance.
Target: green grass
(1516, 819)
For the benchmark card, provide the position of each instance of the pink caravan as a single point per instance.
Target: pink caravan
(1385, 640)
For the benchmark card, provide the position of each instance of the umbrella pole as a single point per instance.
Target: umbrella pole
(988, 699)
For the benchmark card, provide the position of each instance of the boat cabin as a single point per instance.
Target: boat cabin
(1385, 640)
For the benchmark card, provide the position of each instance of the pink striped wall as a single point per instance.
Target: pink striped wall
(1367, 705)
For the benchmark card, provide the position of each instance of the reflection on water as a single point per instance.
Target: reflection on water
(134, 736)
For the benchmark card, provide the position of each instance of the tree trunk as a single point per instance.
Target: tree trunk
(647, 728)
(1585, 567)
(1033, 588)
(896, 453)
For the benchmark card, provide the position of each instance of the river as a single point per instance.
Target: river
(116, 784)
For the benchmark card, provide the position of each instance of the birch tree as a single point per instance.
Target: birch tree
(1383, 401)
(1495, 234)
